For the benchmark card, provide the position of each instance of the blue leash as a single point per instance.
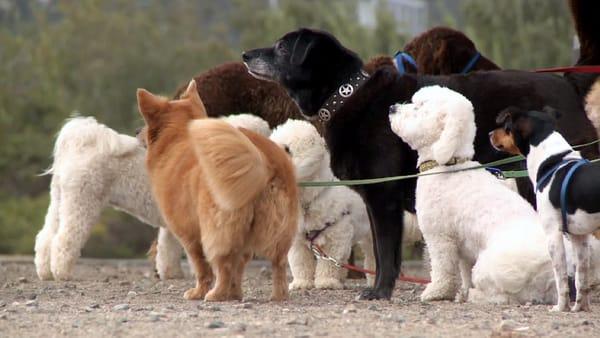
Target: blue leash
(564, 185)
(471, 63)
(400, 57)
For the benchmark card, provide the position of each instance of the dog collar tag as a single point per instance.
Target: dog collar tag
(346, 90)
(324, 114)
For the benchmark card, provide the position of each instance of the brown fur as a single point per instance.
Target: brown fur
(228, 88)
(592, 106)
(503, 140)
(218, 225)
(443, 50)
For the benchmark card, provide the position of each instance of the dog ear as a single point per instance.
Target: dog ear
(191, 94)
(300, 53)
(552, 112)
(505, 118)
(454, 125)
(149, 104)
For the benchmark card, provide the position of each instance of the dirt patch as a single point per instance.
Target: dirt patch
(123, 298)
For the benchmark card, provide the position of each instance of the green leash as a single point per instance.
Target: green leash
(503, 174)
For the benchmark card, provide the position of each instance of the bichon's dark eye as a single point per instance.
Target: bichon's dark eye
(287, 150)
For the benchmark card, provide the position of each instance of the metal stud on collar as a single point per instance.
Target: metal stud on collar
(346, 90)
(324, 114)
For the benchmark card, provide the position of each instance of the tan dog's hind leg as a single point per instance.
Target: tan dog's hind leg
(204, 273)
(279, 266)
(582, 258)
(224, 266)
(236, 292)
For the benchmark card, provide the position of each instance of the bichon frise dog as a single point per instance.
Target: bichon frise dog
(335, 218)
(95, 167)
(471, 222)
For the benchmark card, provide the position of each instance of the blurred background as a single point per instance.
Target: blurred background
(88, 57)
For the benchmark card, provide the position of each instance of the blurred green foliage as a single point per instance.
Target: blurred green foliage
(89, 56)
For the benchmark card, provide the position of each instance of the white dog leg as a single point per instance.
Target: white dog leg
(444, 263)
(369, 263)
(168, 255)
(559, 264)
(43, 240)
(302, 265)
(465, 275)
(78, 213)
(582, 258)
(327, 274)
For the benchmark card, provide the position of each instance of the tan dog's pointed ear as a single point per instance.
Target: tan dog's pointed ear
(191, 93)
(148, 103)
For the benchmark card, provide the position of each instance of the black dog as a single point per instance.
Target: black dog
(326, 81)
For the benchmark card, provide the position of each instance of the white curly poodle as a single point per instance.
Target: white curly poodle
(335, 216)
(473, 225)
(95, 167)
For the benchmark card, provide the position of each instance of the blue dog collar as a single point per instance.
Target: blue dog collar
(472, 63)
(399, 59)
(564, 184)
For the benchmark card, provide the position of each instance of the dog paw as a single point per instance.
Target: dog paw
(581, 306)
(433, 293)
(193, 294)
(214, 296)
(173, 273)
(300, 284)
(462, 296)
(559, 308)
(375, 294)
(45, 274)
(328, 283)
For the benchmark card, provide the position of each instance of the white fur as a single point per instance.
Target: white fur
(319, 206)
(250, 122)
(474, 225)
(95, 167)
(580, 224)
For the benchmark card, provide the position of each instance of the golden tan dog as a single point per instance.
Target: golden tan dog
(226, 193)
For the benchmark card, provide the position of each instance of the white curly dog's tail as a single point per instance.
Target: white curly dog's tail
(80, 133)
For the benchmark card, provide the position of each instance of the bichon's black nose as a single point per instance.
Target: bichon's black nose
(392, 110)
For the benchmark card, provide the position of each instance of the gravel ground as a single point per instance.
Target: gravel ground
(123, 298)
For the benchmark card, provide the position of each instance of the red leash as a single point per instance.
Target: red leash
(316, 249)
(571, 69)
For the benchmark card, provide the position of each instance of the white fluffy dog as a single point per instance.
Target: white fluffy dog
(95, 167)
(335, 216)
(471, 222)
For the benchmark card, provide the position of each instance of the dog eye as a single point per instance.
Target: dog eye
(287, 150)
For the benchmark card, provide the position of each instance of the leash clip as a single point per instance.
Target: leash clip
(496, 172)
(321, 255)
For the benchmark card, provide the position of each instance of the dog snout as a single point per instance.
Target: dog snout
(245, 57)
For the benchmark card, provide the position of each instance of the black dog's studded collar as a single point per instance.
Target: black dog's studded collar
(344, 91)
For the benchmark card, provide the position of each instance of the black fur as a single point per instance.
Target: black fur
(583, 192)
(547, 165)
(359, 136)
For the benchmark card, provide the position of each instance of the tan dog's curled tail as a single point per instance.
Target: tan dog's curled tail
(236, 170)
